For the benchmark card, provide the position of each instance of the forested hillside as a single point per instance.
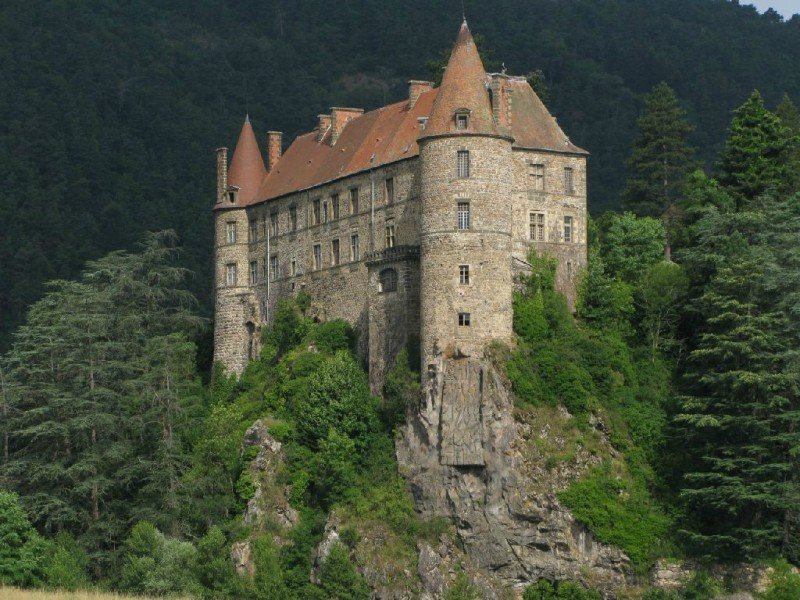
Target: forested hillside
(111, 110)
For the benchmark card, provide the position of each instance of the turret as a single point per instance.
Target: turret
(235, 321)
(465, 242)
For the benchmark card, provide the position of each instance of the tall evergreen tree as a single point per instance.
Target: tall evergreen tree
(661, 157)
(754, 159)
(790, 118)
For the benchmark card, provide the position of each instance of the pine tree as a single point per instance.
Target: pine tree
(790, 118)
(661, 158)
(754, 159)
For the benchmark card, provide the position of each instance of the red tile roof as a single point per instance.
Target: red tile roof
(247, 169)
(390, 133)
(463, 87)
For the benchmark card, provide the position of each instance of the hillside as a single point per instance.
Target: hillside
(111, 110)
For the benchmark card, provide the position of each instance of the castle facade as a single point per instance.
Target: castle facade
(411, 221)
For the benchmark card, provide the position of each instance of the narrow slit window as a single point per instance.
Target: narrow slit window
(335, 252)
(355, 252)
(390, 190)
(292, 218)
(317, 257)
(354, 201)
(273, 224)
(569, 183)
(335, 206)
(568, 233)
(273, 267)
(316, 212)
(462, 162)
(253, 231)
(253, 272)
(293, 267)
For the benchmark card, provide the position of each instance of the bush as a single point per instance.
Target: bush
(701, 586)
(564, 590)
(333, 336)
(784, 583)
(66, 567)
(213, 568)
(402, 389)
(339, 579)
(22, 551)
(462, 589)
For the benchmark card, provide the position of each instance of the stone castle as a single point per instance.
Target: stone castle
(411, 221)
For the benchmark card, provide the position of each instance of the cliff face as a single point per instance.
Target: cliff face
(469, 459)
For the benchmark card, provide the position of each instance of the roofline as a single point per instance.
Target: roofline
(464, 134)
(329, 181)
(580, 152)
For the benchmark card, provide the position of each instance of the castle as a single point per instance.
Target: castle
(411, 221)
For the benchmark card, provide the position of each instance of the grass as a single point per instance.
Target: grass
(10, 593)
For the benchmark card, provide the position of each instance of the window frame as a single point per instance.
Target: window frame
(388, 189)
(536, 226)
(274, 267)
(463, 275)
(253, 230)
(253, 272)
(273, 223)
(391, 278)
(335, 206)
(355, 248)
(293, 218)
(316, 253)
(463, 164)
(460, 212)
(569, 229)
(335, 253)
(231, 233)
(230, 269)
(464, 319)
(536, 172)
(390, 236)
(354, 199)
(316, 211)
(569, 181)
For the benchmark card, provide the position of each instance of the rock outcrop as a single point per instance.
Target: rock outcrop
(468, 459)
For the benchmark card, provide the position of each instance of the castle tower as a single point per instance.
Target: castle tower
(466, 212)
(235, 325)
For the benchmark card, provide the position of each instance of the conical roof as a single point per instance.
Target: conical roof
(463, 87)
(247, 169)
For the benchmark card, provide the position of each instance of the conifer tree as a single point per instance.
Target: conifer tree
(661, 157)
(754, 159)
(790, 118)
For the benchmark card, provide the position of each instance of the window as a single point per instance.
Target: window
(390, 236)
(354, 201)
(325, 211)
(569, 270)
(567, 229)
(462, 121)
(273, 223)
(463, 163)
(292, 218)
(231, 229)
(463, 274)
(293, 267)
(389, 190)
(315, 216)
(335, 252)
(262, 227)
(232, 197)
(463, 215)
(464, 319)
(335, 206)
(253, 272)
(253, 231)
(537, 226)
(569, 186)
(388, 280)
(355, 253)
(317, 257)
(536, 175)
(230, 275)
(273, 267)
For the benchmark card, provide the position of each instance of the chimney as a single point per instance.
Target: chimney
(274, 148)
(340, 118)
(222, 173)
(415, 89)
(324, 125)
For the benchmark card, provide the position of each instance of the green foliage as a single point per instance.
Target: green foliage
(701, 586)
(462, 589)
(619, 511)
(604, 302)
(659, 594)
(563, 590)
(332, 336)
(630, 244)
(401, 389)
(67, 566)
(339, 579)
(784, 583)
(288, 327)
(530, 321)
(22, 551)
(660, 296)
(335, 474)
(661, 157)
(268, 583)
(213, 567)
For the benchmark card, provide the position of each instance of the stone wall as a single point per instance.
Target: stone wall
(485, 247)
(555, 202)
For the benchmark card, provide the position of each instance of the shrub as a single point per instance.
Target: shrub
(339, 579)
(701, 586)
(332, 336)
(212, 567)
(462, 589)
(22, 551)
(65, 568)
(402, 389)
(564, 590)
(784, 583)
(268, 583)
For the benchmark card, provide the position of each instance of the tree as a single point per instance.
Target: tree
(661, 158)
(659, 297)
(754, 159)
(790, 118)
(630, 244)
(339, 579)
(22, 551)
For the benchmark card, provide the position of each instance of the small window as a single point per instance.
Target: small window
(230, 275)
(462, 121)
(335, 252)
(388, 280)
(273, 223)
(335, 206)
(232, 197)
(273, 267)
(253, 272)
(463, 163)
(293, 267)
(463, 274)
(567, 229)
(315, 212)
(537, 227)
(253, 231)
(262, 227)
(317, 257)
(355, 253)
(464, 319)
(231, 231)
(569, 184)
(569, 270)
(325, 211)
(536, 176)
(389, 184)
(354, 201)
(292, 218)
(464, 219)
(390, 236)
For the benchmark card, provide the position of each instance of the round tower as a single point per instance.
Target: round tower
(465, 243)
(235, 317)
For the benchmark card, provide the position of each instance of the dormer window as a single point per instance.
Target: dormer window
(462, 119)
(232, 195)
